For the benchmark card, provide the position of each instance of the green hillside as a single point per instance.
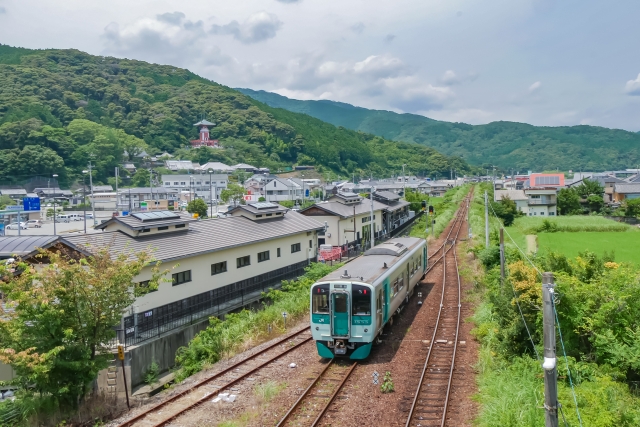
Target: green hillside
(61, 108)
(509, 145)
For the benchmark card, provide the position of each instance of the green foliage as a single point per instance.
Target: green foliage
(572, 224)
(141, 178)
(569, 202)
(506, 210)
(151, 374)
(445, 207)
(416, 198)
(233, 193)
(198, 206)
(6, 201)
(223, 338)
(632, 207)
(61, 108)
(548, 227)
(265, 392)
(589, 188)
(507, 144)
(387, 383)
(57, 349)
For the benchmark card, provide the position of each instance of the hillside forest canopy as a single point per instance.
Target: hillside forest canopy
(510, 146)
(61, 108)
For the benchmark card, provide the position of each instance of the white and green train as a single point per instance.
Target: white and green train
(350, 307)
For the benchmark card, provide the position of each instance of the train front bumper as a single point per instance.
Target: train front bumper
(361, 352)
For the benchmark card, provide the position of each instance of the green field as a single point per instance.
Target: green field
(625, 246)
(573, 223)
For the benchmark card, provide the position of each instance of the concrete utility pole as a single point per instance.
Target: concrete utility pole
(501, 256)
(486, 220)
(404, 183)
(93, 204)
(117, 177)
(373, 223)
(549, 364)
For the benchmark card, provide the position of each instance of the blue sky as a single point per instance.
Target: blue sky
(544, 62)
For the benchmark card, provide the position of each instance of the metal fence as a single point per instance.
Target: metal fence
(153, 323)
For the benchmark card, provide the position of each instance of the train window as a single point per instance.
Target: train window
(396, 286)
(340, 303)
(320, 299)
(361, 300)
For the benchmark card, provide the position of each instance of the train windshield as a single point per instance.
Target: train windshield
(320, 299)
(361, 300)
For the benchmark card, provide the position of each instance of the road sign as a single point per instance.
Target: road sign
(31, 203)
(120, 353)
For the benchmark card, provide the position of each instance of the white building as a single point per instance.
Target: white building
(536, 201)
(198, 184)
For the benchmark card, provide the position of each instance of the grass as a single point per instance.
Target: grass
(625, 246)
(445, 207)
(572, 223)
(267, 391)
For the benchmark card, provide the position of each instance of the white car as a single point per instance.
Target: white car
(34, 223)
(14, 226)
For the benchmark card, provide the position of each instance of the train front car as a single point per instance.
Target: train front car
(350, 307)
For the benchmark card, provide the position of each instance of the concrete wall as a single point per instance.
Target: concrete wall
(161, 350)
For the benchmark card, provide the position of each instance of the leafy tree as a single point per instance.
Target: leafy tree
(233, 193)
(589, 188)
(6, 201)
(506, 210)
(632, 207)
(60, 317)
(595, 202)
(198, 206)
(568, 201)
(141, 178)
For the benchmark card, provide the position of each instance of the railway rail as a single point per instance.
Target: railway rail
(323, 390)
(431, 400)
(167, 410)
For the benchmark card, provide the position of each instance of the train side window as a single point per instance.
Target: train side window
(396, 286)
(320, 299)
(361, 296)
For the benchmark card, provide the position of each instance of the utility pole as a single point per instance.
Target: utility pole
(93, 204)
(373, 223)
(501, 256)
(404, 183)
(117, 176)
(486, 220)
(549, 365)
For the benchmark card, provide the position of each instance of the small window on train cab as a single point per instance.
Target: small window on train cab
(320, 299)
(361, 300)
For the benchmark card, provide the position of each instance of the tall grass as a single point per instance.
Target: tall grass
(238, 331)
(445, 207)
(572, 223)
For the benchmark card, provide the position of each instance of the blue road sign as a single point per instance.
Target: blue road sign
(31, 203)
(306, 192)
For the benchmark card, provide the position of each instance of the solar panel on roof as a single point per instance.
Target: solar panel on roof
(263, 205)
(151, 216)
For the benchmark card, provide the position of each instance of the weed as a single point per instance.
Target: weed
(387, 383)
(151, 376)
(267, 391)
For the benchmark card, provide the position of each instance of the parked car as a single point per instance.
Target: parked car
(15, 226)
(89, 216)
(34, 223)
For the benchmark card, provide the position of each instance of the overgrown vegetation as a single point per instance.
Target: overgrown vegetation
(223, 338)
(387, 383)
(445, 207)
(598, 304)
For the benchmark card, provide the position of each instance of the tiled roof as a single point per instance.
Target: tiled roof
(23, 245)
(346, 211)
(627, 188)
(202, 237)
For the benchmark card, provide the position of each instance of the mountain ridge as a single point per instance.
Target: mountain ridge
(501, 143)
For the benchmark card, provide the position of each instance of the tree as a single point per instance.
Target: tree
(198, 206)
(141, 178)
(506, 210)
(632, 207)
(568, 201)
(234, 193)
(595, 202)
(589, 188)
(60, 316)
(6, 201)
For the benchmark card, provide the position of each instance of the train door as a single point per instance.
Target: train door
(340, 313)
(379, 303)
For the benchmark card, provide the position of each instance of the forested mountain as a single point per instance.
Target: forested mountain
(61, 108)
(509, 145)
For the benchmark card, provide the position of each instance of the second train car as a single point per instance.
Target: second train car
(350, 307)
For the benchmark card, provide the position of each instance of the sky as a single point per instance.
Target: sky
(544, 62)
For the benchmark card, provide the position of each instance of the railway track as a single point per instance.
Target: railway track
(167, 410)
(431, 400)
(458, 220)
(314, 402)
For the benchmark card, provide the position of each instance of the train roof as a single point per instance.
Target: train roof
(371, 265)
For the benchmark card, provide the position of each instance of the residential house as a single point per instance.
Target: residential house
(348, 219)
(542, 201)
(625, 191)
(521, 200)
(177, 165)
(280, 189)
(396, 212)
(546, 180)
(16, 194)
(216, 167)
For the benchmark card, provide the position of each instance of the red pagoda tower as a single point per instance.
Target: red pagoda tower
(204, 140)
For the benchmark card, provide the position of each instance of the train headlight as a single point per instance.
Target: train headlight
(366, 330)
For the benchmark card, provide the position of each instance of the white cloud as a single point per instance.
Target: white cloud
(258, 27)
(449, 78)
(290, 1)
(633, 87)
(535, 87)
